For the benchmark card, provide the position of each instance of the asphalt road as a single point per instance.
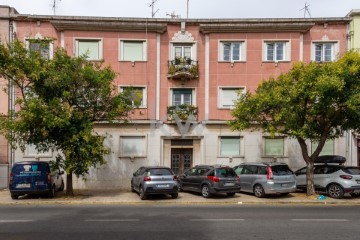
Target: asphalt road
(157, 222)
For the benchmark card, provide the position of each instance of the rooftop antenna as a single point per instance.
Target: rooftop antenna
(54, 6)
(173, 15)
(187, 8)
(306, 10)
(152, 4)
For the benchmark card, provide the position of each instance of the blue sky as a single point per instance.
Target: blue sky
(197, 8)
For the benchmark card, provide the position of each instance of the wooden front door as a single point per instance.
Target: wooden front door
(181, 159)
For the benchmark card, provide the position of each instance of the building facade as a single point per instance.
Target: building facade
(186, 73)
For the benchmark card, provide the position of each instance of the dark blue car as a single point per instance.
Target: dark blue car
(34, 178)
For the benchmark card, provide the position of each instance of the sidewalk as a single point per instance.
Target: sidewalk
(127, 197)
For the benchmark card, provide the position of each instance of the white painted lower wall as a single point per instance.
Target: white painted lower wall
(117, 172)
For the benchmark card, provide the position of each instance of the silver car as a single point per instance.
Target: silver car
(154, 180)
(335, 180)
(266, 178)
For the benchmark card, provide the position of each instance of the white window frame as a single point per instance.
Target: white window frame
(143, 154)
(193, 95)
(99, 40)
(329, 143)
(242, 50)
(221, 95)
(284, 150)
(31, 152)
(182, 44)
(241, 145)
(51, 45)
(144, 93)
(334, 50)
(286, 49)
(121, 50)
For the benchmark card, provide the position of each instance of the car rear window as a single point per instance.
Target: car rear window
(159, 172)
(225, 172)
(32, 169)
(281, 170)
(352, 170)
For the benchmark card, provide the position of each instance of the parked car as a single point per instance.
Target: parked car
(154, 180)
(210, 179)
(34, 178)
(266, 178)
(331, 177)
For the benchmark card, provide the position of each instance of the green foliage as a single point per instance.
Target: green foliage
(183, 111)
(61, 100)
(312, 102)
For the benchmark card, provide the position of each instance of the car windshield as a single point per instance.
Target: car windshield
(159, 172)
(225, 172)
(281, 170)
(352, 170)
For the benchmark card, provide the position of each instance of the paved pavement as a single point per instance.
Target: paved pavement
(114, 196)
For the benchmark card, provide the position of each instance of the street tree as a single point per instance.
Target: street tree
(60, 100)
(312, 102)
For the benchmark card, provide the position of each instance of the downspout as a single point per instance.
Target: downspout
(11, 101)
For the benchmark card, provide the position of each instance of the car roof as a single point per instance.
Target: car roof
(263, 164)
(212, 166)
(30, 162)
(155, 167)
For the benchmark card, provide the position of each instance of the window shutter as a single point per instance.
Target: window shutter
(133, 51)
(89, 48)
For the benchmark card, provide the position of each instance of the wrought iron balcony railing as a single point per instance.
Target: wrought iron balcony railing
(182, 112)
(183, 68)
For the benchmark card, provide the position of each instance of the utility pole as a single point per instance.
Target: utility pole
(152, 4)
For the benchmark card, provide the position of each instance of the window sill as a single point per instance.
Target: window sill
(240, 61)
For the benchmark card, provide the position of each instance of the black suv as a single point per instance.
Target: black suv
(210, 179)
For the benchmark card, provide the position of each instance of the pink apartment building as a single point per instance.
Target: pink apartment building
(188, 72)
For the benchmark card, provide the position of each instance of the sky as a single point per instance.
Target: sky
(197, 8)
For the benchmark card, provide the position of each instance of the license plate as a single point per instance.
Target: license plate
(286, 185)
(162, 185)
(357, 181)
(229, 184)
(39, 183)
(23, 185)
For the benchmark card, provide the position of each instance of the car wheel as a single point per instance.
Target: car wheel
(52, 192)
(259, 191)
(142, 193)
(14, 196)
(62, 186)
(230, 194)
(174, 195)
(205, 192)
(356, 194)
(132, 188)
(335, 191)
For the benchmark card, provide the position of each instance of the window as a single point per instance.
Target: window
(137, 94)
(232, 51)
(91, 48)
(227, 96)
(183, 51)
(324, 52)
(32, 152)
(229, 146)
(274, 146)
(182, 96)
(328, 148)
(132, 50)
(132, 146)
(276, 51)
(44, 47)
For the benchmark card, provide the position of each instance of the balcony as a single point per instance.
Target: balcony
(183, 69)
(183, 112)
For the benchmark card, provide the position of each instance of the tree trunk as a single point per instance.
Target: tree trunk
(69, 185)
(310, 190)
